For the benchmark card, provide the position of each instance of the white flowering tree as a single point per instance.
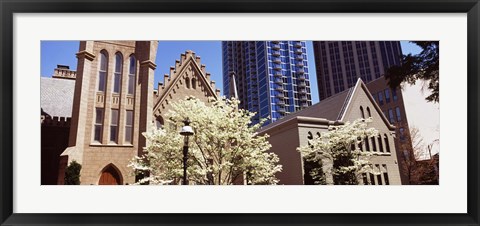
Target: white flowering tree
(225, 149)
(339, 154)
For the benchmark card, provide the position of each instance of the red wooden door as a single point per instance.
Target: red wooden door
(110, 176)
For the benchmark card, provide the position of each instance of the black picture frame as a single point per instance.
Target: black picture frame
(10, 7)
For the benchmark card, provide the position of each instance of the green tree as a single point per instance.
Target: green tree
(224, 150)
(72, 173)
(423, 66)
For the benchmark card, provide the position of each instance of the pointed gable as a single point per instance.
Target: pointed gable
(361, 97)
(338, 107)
(187, 78)
(331, 109)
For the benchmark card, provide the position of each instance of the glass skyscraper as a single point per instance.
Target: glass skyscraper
(271, 77)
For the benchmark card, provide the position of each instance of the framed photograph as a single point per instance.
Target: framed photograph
(206, 50)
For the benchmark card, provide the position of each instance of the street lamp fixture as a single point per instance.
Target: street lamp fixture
(186, 132)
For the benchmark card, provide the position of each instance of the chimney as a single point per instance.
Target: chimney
(64, 72)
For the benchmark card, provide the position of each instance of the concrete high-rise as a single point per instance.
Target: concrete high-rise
(340, 63)
(270, 77)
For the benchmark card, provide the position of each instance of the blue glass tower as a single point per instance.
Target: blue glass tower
(271, 77)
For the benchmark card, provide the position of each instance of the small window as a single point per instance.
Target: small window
(394, 94)
(98, 125)
(385, 174)
(117, 77)
(390, 116)
(102, 73)
(399, 116)
(194, 83)
(387, 95)
(380, 98)
(387, 145)
(131, 75)
(372, 179)
(380, 144)
(310, 135)
(187, 82)
(114, 126)
(361, 111)
(369, 113)
(374, 145)
(379, 176)
(129, 126)
(367, 145)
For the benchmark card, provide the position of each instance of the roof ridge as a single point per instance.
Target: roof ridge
(345, 103)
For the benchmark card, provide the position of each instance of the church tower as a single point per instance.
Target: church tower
(112, 107)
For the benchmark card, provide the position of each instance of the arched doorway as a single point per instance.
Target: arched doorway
(110, 176)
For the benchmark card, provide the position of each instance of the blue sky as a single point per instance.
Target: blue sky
(63, 52)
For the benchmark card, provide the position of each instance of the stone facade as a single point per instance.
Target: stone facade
(99, 105)
(297, 129)
(115, 102)
(187, 78)
(394, 111)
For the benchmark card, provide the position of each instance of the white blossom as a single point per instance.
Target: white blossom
(225, 148)
(340, 146)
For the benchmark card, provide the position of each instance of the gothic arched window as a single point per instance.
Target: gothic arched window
(380, 144)
(187, 82)
(194, 83)
(131, 74)
(117, 77)
(387, 145)
(102, 73)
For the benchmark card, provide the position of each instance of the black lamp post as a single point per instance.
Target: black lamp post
(186, 132)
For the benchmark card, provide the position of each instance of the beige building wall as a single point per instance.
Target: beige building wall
(284, 141)
(106, 160)
(292, 132)
(353, 112)
(105, 155)
(402, 140)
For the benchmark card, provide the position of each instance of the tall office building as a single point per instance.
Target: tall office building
(340, 63)
(270, 77)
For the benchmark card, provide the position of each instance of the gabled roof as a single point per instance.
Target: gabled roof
(361, 85)
(332, 108)
(56, 97)
(188, 61)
